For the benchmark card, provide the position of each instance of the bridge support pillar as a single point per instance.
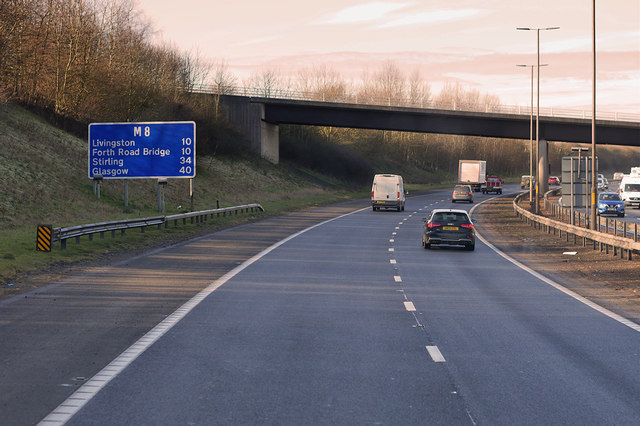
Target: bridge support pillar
(543, 167)
(263, 137)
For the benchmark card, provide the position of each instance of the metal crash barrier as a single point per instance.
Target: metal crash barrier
(602, 241)
(63, 234)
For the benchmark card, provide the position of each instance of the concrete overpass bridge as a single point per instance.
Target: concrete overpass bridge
(259, 118)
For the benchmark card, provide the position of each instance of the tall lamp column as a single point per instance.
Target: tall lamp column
(531, 202)
(537, 30)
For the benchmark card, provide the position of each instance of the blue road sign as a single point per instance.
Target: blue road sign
(142, 150)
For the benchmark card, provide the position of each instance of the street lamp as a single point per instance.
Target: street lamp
(594, 186)
(537, 30)
(531, 135)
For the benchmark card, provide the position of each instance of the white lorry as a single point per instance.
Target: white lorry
(387, 192)
(630, 190)
(472, 172)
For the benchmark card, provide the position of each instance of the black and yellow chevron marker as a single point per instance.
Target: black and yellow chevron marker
(43, 242)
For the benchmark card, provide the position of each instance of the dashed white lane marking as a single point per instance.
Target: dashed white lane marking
(65, 411)
(394, 233)
(392, 240)
(409, 306)
(391, 249)
(397, 278)
(392, 261)
(397, 227)
(435, 353)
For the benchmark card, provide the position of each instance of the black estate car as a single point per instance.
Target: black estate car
(448, 227)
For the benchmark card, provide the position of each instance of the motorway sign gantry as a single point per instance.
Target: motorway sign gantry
(142, 150)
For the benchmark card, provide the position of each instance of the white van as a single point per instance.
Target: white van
(630, 190)
(387, 192)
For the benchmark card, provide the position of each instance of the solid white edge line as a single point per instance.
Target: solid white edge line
(65, 411)
(632, 325)
(435, 353)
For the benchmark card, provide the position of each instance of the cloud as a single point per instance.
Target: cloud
(258, 40)
(366, 12)
(432, 17)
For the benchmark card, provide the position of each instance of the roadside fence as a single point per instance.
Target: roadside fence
(64, 234)
(617, 236)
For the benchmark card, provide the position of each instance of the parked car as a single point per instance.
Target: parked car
(525, 181)
(493, 184)
(462, 193)
(448, 227)
(610, 203)
(387, 192)
(554, 180)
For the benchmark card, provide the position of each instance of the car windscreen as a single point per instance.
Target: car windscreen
(610, 197)
(461, 188)
(632, 187)
(450, 217)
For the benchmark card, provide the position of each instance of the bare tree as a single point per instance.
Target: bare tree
(419, 91)
(267, 81)
(223, 83)
(389, 82)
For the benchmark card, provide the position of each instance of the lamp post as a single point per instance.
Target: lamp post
(531, 135)
(537, 30)
(594, 186)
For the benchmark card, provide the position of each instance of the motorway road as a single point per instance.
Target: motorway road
(349, 322)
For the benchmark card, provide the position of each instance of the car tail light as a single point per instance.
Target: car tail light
(467, 225)
(398, 195)
(468, 193)
(433, 225)
(372, 195)
(455, 192)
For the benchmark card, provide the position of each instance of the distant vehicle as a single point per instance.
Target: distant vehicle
(525, 181)
(462, 193)
(618, 175)
(602, 183)
(554, 180)
(610, 203)
(387, 192)
(493, 184)
(635, 171)
(448, 227)
(630, 190)
(473, 173)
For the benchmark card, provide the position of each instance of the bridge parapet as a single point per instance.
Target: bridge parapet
(346, 98)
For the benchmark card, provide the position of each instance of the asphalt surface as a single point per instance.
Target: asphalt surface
(350, 322)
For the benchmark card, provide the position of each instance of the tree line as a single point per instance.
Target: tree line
(96, 60)
(89, 60)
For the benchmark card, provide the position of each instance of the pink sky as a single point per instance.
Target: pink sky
(471, 42)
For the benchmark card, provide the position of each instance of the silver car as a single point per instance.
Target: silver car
(462, 193)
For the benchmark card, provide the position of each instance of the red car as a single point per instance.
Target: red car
(554, 180)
